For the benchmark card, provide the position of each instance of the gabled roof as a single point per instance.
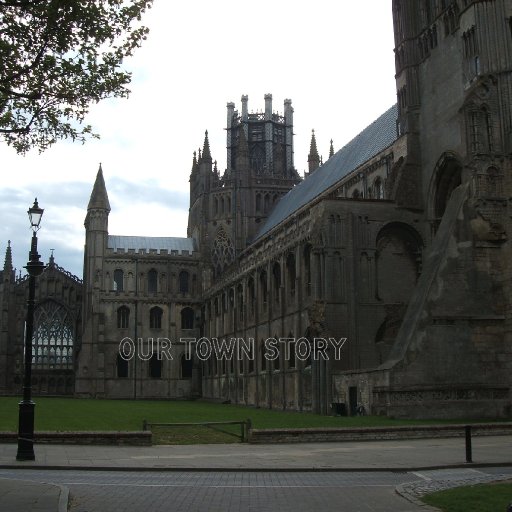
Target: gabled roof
(372, 140)
(148, 243)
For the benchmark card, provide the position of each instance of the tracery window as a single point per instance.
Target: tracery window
(223, 252)
(53, 337)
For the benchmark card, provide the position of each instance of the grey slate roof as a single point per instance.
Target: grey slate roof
(373, 139)
(146, 243)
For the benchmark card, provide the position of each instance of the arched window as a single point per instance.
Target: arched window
(291, 274)
(53, 336)
(378, 189)
(184, 281)
(155, 367)
(118, 280)
(307, 269)
(276, 275)
(121, 367)
(152, 281)
(264, 290)
(123, 317)
(252, 298)
(186, 367)
(398, 260)
(291, 352)
(356, 194)
(155, 318)
(223, 251)
(277, 360)
(240, 301)
(263, 356)
(187, 318)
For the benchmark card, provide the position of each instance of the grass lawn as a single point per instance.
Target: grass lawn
(68, 414)
(475, 498)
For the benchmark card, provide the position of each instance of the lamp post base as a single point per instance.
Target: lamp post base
(26, 431)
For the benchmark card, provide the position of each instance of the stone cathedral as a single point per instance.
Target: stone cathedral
(399, 243)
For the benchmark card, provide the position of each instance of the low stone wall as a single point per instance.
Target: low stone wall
(101, 438)
(314, 435)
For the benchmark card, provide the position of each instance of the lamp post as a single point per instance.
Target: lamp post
(26, 412)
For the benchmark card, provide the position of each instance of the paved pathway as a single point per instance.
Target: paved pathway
(415, 454)
(315, 476)
(157, 491)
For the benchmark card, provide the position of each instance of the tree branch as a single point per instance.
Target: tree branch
(32, 96)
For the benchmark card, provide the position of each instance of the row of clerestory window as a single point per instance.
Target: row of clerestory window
(281, 285)
(152, 281)
(155, 318)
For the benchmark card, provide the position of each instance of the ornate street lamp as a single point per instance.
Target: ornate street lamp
(26, 413)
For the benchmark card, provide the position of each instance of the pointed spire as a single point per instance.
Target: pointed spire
(8, 258)
(199, 158)
(313, 158)
(194, 163)
(331, 150)
(207, 157)
(51, 263)
(99, 196)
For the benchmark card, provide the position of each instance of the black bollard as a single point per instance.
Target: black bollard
(469, 451)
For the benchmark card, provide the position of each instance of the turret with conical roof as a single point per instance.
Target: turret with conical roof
(99, 196)
(96, 238)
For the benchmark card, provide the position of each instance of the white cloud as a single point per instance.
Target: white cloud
(333, 59)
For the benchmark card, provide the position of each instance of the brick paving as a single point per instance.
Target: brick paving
(310, 476)
(93, 491)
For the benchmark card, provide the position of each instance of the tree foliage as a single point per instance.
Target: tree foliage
(57, 58)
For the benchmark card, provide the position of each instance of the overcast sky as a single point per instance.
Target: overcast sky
(332, 58)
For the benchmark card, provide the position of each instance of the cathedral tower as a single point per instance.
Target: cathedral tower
(226, 212)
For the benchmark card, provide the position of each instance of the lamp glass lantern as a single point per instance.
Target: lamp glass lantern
(35, 214)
